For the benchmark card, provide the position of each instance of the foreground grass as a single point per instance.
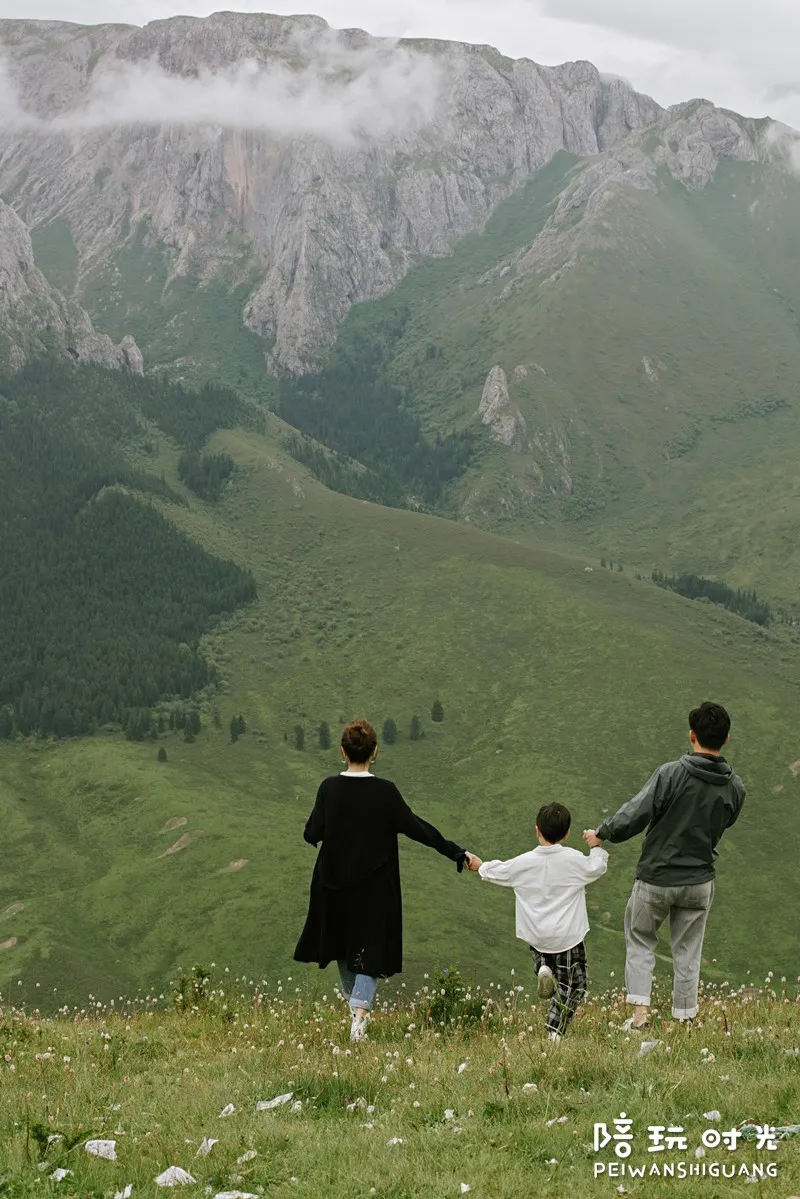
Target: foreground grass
(418, 1110)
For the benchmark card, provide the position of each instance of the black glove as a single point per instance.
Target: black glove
(461, 862)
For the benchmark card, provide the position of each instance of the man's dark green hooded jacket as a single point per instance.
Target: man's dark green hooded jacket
(686, 807)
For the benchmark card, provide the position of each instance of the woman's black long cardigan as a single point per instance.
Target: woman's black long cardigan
(355, 911)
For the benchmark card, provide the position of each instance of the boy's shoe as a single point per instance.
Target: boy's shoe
(554, 1036)
(358, 1029)
(547, 983)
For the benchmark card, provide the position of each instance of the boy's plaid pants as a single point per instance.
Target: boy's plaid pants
(569, 971)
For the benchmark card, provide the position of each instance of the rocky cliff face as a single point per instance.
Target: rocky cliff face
(335, 159)
(688, 141)
(35, 317)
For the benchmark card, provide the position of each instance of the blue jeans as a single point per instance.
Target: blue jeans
(358, 989)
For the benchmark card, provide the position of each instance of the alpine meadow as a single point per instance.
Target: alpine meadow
(452, 392)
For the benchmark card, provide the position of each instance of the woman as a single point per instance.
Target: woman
(355, 913)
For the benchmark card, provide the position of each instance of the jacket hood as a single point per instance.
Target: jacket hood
(710, 770)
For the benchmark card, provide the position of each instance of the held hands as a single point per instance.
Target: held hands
(474, 862)
(591, 838)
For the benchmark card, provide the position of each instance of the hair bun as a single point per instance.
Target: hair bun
(359, 741)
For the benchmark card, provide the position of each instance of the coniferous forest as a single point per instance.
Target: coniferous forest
(104, 601)
(352, 406)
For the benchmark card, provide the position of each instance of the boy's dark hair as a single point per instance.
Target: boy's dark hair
(554, 822)
(710, 724)
(359, 741)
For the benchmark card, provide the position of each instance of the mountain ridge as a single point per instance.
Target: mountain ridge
(36, 318)
(326, 226)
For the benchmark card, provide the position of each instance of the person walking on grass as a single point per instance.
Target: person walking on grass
(355, 913)
(550, 884)
(685, 807)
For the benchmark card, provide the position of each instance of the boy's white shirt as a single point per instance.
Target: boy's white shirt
(550, 883)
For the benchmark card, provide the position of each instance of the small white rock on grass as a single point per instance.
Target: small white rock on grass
(268, 1105)
(106, 1149)
(206, 1145)
(174, 1176)
(125, 1193)
(60, 1174)
(228, 1110)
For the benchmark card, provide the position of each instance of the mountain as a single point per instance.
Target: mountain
(305, 207)
(620, 344)
(520, 296)
(35, 318)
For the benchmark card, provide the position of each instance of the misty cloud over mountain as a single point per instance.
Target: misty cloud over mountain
(335, 93)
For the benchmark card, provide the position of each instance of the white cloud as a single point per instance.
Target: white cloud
(737, 53)
(339, 95)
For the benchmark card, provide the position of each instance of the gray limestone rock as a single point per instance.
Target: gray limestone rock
(34, 317)
(330, 218)
(504, 420)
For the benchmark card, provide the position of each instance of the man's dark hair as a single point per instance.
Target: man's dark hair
(711, 725)
(554, 822)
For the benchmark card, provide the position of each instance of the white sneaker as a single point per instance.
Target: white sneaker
(358, 1029)
(547, 983)
(554, 1036)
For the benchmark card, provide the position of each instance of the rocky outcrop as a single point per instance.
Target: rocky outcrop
(421, 145)
(503, 418)
(35, 318)
(688, 141)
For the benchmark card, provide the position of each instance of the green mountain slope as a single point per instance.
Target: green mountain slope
(646, 335)
(556, 682)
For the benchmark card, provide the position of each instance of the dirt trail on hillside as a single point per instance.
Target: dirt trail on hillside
(176, 822)
(11, 910)
(180, 844)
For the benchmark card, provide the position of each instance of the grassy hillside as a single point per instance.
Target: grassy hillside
(556, 683)
(657, 372)
(486, 1109)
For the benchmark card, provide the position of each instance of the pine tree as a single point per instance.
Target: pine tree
(162, 754)
(415, 732)
(299, 737)
(234, 729)
(437, 712)
(6, 724)
(324, 734)
(193, 722)
(389, 732)
(216, 719)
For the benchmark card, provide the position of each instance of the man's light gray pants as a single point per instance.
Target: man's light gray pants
(648, 908)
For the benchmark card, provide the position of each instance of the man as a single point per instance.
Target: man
(686, 807)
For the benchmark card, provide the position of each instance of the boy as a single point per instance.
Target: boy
(550, 888)
(685, 807)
